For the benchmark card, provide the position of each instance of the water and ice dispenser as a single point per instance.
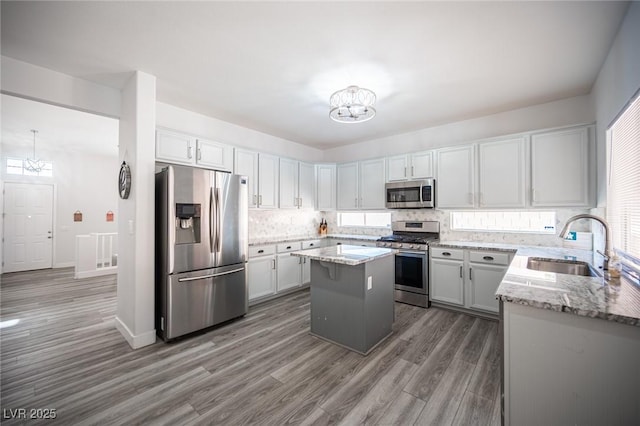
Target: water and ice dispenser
(187, 223)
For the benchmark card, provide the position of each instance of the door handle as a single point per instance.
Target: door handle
(460, 271)
(487, 257)
(49, 237)
(189, 151)
(470, 279)
(203, 277)
(211, 226)
(218, 230)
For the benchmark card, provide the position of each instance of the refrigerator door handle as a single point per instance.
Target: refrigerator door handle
(211, 230)
(203, 277)
(217, 239)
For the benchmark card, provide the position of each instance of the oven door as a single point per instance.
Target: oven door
(411, 272)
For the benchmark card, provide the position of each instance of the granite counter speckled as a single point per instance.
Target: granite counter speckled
(584, 296)
(345, 254)
(294, 238)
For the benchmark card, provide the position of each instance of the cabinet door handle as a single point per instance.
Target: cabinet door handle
(273, 264)
(460, 271)
(356, 201)
(446, 253)
(411, 170)
(288, 247)
(405, 172)
(259, 200)
(189, 151)
(198, 154)
(311, 245)
(260, 251)
(488, 258)
(470, 279)
(534, 197)
(255, 199)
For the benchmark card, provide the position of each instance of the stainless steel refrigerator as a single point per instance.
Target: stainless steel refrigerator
(201, 249)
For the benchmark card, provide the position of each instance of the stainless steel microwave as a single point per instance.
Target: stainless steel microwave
(412, 194)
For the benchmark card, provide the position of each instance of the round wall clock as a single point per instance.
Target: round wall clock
(124, 181)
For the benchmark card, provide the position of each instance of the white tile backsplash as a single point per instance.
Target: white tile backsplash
(282, 224)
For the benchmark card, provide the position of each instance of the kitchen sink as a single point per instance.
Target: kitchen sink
(559, 266)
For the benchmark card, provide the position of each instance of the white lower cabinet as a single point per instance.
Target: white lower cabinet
(272, 269)
(261, 271)
(467, 278)
(447, 276)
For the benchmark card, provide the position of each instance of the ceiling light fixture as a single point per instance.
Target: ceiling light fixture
(33, 164)
(352, 105)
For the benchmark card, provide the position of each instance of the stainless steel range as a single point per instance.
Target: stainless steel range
(412, 262)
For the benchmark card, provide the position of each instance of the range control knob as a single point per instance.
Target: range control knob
(414, 247)
(396, 245)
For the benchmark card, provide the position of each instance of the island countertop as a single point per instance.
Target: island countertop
(345, 254)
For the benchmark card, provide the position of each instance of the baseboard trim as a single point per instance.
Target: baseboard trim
(136, 342)
(64, 264)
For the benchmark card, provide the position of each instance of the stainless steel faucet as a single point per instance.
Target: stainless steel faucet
(567, 228)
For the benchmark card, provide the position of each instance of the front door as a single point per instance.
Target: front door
(28, 227)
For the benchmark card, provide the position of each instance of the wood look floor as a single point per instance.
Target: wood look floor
(438, 367)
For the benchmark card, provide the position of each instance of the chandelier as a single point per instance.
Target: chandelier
(352, 105)
(34, 165)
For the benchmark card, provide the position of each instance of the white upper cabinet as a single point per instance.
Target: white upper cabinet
(175, 147)
(348, 197)
(268, 181)
(502, 174)
(422, 165)
(246, 163)
(412, 166)
(455, 185)
(361, 184)
(297, 181)
(306, 187)
(398, 168)
(560, 168)
(214, 155)
(288, 184)
(262, 171)
(371, 185)
(325, 186)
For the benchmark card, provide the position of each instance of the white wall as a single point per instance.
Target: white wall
(221, 131)
(33, 82)
(576, 110)
(617, 82)
(82, 181)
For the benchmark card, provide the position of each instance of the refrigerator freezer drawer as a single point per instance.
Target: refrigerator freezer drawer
(201, 299)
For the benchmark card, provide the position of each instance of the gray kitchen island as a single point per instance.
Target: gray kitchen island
(352, 295)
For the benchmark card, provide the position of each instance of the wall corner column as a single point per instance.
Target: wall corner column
(135, 287)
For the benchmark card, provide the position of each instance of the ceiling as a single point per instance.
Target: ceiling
(272, 66)
(59, 129)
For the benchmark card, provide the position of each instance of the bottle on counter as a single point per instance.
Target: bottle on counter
(615, 267)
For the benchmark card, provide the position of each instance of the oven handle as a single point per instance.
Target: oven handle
(413, 253)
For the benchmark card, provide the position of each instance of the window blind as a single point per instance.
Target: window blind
(623, 186)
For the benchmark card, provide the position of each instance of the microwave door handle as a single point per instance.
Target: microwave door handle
(420, 189)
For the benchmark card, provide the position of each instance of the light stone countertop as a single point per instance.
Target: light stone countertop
(584, 296)
(294, 238)
(345, 254)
